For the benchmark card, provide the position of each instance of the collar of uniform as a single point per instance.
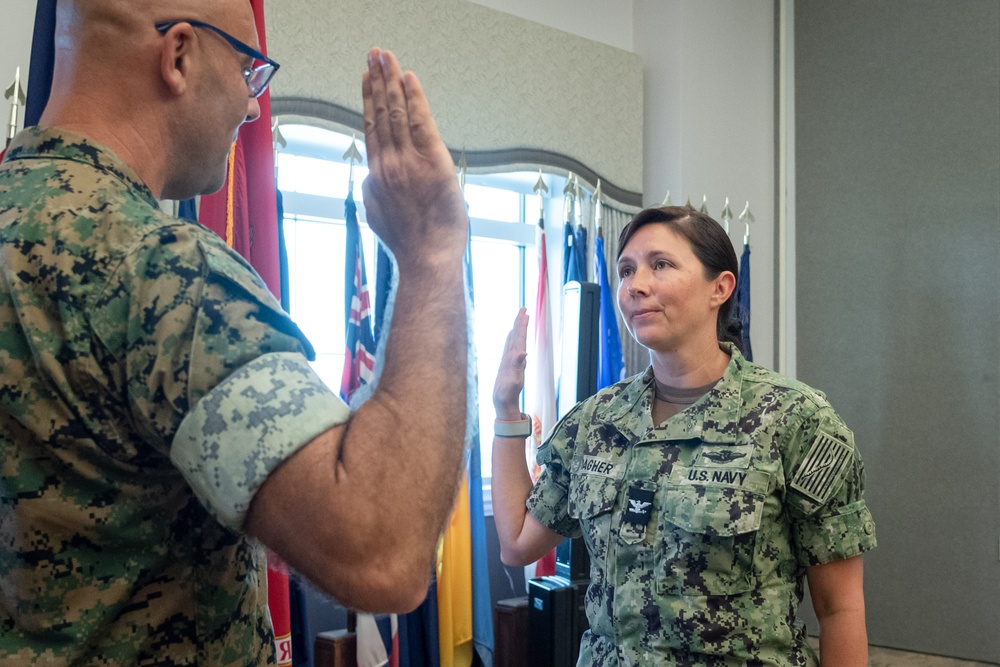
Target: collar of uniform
(713, 418)
(57, 144)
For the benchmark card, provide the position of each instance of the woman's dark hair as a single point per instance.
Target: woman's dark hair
(712, 247)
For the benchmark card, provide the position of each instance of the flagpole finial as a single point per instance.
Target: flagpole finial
(704, 205)
(353, 156)
(277, 140)
(463, 168)
(578, 198)
(747, 217)
(541, 190)
(688, 202)
(596, 198)
(666, 200)
(568, 197)
(14, 93)
(727, 215)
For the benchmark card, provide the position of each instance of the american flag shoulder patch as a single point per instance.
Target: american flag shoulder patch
(822, 470)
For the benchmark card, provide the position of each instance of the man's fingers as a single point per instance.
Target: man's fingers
(398, 116)
(379, 116)
(371, 137)
(423, 129)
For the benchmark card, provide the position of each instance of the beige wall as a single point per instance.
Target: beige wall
(18, 20)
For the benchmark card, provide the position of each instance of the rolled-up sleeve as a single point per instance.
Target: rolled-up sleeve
(239, 432)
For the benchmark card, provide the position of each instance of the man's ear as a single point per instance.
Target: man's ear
(176, 57)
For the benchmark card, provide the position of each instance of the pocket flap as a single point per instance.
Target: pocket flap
(712, 510)
(591, 495)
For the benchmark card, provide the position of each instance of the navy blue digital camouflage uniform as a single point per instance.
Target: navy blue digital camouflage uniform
(149, 382)
(700, 529)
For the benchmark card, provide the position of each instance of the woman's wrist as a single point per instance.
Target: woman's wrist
(512, 425)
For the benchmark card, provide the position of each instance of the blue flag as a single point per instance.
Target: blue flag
(580, 251)
(42, 61)
(482, 607)
(743, 302)
(610, 363)
(571, 269)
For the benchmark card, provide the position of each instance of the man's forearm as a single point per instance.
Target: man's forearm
(407, 439)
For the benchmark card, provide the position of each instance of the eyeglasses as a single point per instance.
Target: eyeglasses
(257, 77)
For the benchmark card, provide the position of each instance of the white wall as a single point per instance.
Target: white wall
(605, 21)
(15, 51)
(709, 124)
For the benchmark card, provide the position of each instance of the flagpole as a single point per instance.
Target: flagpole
(14, 93)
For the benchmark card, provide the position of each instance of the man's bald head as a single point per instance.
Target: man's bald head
(168, 103)
(100, 29)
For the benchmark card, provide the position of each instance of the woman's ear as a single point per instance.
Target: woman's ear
(723, 287)
(176, 57)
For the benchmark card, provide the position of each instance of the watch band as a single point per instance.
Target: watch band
(513, 429)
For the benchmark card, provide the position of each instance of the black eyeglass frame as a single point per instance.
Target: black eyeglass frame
(267, 70)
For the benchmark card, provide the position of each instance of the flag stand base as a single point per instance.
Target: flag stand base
(336, 648)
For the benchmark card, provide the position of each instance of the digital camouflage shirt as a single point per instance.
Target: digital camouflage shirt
(700, 530)
(148, 384)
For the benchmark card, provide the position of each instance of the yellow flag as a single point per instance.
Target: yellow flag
(454, 586)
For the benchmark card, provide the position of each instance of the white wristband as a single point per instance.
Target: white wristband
(514, 429)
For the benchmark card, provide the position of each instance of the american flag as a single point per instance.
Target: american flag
(359, 359)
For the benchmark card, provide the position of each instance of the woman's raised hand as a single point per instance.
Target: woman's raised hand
(510, 377)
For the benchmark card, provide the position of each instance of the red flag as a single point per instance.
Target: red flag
(245, 213)
(543, 393)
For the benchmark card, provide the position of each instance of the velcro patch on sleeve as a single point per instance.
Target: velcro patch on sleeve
(822, 470)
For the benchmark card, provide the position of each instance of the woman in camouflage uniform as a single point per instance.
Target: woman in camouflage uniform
(707, 488)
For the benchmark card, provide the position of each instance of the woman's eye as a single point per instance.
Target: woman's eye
(624, 272)
(661, 264)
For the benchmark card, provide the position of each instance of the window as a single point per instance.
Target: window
(313, 178)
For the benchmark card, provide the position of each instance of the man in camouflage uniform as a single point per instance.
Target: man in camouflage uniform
(157, 412)
(700, 529)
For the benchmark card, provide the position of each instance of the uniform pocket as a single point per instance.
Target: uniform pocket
(591, 501)
(709, 536)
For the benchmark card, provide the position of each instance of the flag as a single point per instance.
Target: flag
(543, 418)
(571, 267)
(465, 615)
(580, 251)
(454, 586)
(376, 636)
(40, 67)
(743, 302)
(245, 213)
(42, 61)
(249, 192)
(359, 355)
(482, 605)
(610, 363)
(417, 631)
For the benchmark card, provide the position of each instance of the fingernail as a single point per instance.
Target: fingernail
(381, 58)
(371, 58)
